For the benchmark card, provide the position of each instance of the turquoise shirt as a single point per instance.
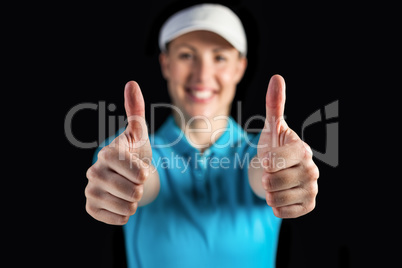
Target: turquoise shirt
(205, 214)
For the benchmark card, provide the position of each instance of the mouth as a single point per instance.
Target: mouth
(200, 94)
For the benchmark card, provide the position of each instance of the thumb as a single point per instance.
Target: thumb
(136, 130)
(275, 106)
(133, 100)
(275, 99)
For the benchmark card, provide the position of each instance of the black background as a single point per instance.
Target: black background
(90, 52)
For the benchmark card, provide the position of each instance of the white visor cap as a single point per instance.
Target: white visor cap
(209, 17)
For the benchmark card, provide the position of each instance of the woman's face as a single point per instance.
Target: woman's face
(202, 70)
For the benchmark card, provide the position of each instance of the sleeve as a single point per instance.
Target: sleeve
(157, 162)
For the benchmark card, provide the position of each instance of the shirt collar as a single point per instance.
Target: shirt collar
(174, 138)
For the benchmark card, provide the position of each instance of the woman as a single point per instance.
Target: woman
(204, 192)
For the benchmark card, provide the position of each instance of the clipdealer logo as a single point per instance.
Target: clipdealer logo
(329, 112)
(331, 154)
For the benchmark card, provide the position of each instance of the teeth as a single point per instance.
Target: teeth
(202, 94)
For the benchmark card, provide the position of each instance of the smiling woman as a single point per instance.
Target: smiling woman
(221, 207)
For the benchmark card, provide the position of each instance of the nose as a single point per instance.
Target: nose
(202, 70)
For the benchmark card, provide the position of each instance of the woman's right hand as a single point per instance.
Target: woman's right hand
(116, 181)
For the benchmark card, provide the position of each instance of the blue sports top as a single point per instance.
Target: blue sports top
(206, 214)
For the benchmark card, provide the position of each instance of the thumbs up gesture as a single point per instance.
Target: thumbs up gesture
(288, 175)
(116, 181)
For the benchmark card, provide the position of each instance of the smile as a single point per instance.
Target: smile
(200, 94)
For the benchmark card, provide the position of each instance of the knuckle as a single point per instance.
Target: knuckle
(102, 153)
(91, 210)
(267, 182)
(306, 154)
(270, 168)
(90, 192)
(134, 207)
(316, 172)
(308, 206)
(275, 199)
(285, 212)
(105, 154)
(87, 192)
(311, 189)
(88, 208)
(268, 198)
(312, 172)
(312, 205)
(122, 220)
(278, 212)
(314, 189)
(91, 173)
(137, 193)
(139, 177)
(140, 174)
(130, 208)
(310, 194)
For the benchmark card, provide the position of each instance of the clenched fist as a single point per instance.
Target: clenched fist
(116, 181)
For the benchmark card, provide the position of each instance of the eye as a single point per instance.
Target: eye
(220, 58)
(185, 56)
